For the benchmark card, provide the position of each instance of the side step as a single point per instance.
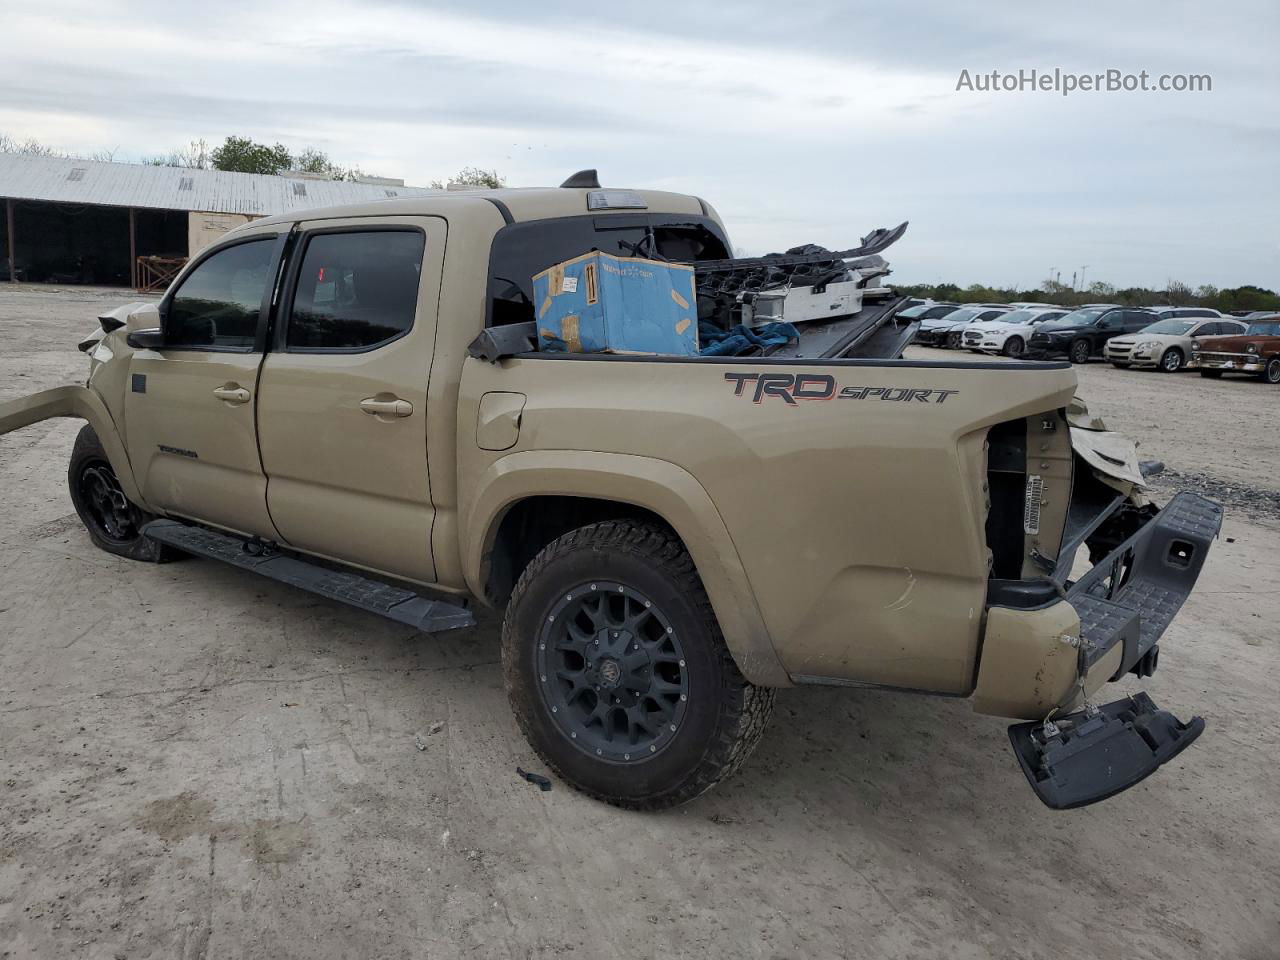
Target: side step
(395, 603)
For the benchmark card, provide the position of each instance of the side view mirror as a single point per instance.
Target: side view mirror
(143, 316)
(152, 339)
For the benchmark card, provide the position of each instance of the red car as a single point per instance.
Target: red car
(1256, 351)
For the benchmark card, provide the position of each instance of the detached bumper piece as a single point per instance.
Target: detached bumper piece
(395, 603)
(1132, 596)
(1080, 759)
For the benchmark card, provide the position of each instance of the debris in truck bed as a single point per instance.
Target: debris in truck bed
(740, 339)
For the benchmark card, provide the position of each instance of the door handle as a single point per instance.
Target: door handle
(232, 393)
(392, 407)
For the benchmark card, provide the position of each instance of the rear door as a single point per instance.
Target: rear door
(343, 393)
(189, 412)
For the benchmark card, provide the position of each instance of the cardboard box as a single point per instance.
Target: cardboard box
(598, 303)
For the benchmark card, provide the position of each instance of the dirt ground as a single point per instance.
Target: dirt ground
(195, 763)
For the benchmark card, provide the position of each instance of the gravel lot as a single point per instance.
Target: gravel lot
(200, 764)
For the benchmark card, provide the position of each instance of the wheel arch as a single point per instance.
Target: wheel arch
(526, 500)
(80, 403)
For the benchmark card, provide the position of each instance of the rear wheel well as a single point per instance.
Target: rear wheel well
(534, 522)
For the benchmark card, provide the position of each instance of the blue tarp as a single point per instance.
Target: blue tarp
(737, 340)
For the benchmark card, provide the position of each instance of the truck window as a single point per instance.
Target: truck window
(356, 290)
(521, 250)
(218, 303)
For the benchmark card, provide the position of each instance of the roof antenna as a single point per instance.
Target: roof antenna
(586, 179)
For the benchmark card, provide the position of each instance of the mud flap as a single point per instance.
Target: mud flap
(1079, 759)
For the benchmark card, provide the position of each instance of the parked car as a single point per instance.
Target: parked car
(283, 406)
(952, 337)
(1255, 351)
(929, 309)
(1009, 333)
(1082, 333)
(932, 329)
(1168, 344)
(1186, 313)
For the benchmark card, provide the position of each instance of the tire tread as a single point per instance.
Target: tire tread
(745, 708)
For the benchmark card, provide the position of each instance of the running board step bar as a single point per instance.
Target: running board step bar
(395, 603)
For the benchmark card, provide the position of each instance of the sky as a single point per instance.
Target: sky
(800, 123)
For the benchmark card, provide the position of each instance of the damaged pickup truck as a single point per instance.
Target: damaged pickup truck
(357, 401)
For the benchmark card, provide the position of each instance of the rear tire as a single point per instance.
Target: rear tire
(113, 521)
(1014, 347)
(1272, 373)
(1211, 374)
(642, 706)
(1171, 361)
(1079, 352)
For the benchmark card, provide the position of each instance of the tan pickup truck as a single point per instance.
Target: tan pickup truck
(347, 401)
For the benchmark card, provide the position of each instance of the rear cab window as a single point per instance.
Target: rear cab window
(522, 250)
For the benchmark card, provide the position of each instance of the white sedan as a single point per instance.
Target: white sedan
(1009, 334)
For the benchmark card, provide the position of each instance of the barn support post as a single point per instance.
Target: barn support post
(9, 238)
(133, 248)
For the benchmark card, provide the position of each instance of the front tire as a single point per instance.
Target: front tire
(953, 341)
(113, 521)
(1171, 360)
(618, 673)
(1079, 352)
(1272, 373)
(1014, 347)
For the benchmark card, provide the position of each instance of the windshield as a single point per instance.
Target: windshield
(940, 311)
(1082, 318)
(912, 312)
(1175, 327)
(1267, 328)
(964, 315)
(1016, 316)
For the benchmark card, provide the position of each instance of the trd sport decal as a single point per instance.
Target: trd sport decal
(794, 387)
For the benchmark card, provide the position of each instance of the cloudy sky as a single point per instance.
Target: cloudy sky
(801, 122)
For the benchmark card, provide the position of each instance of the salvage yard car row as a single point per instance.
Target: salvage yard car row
(1167, 339)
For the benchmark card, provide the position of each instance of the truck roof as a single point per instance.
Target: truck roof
(515, 204)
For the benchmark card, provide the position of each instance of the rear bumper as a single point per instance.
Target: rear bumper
(1106, 624)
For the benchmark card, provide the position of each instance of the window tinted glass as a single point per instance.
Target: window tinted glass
(522, 250)
(218, 303)
(356, 290)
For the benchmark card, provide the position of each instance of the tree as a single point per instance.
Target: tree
(1207, 294)
(245, 156)
(29, 147)
(1178, 293)
(313, 160)
(473, 177)
(194, 156)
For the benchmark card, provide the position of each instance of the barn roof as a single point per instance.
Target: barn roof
(24, 177)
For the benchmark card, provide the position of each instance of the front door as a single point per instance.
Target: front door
(189, 409)
(343, 394)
